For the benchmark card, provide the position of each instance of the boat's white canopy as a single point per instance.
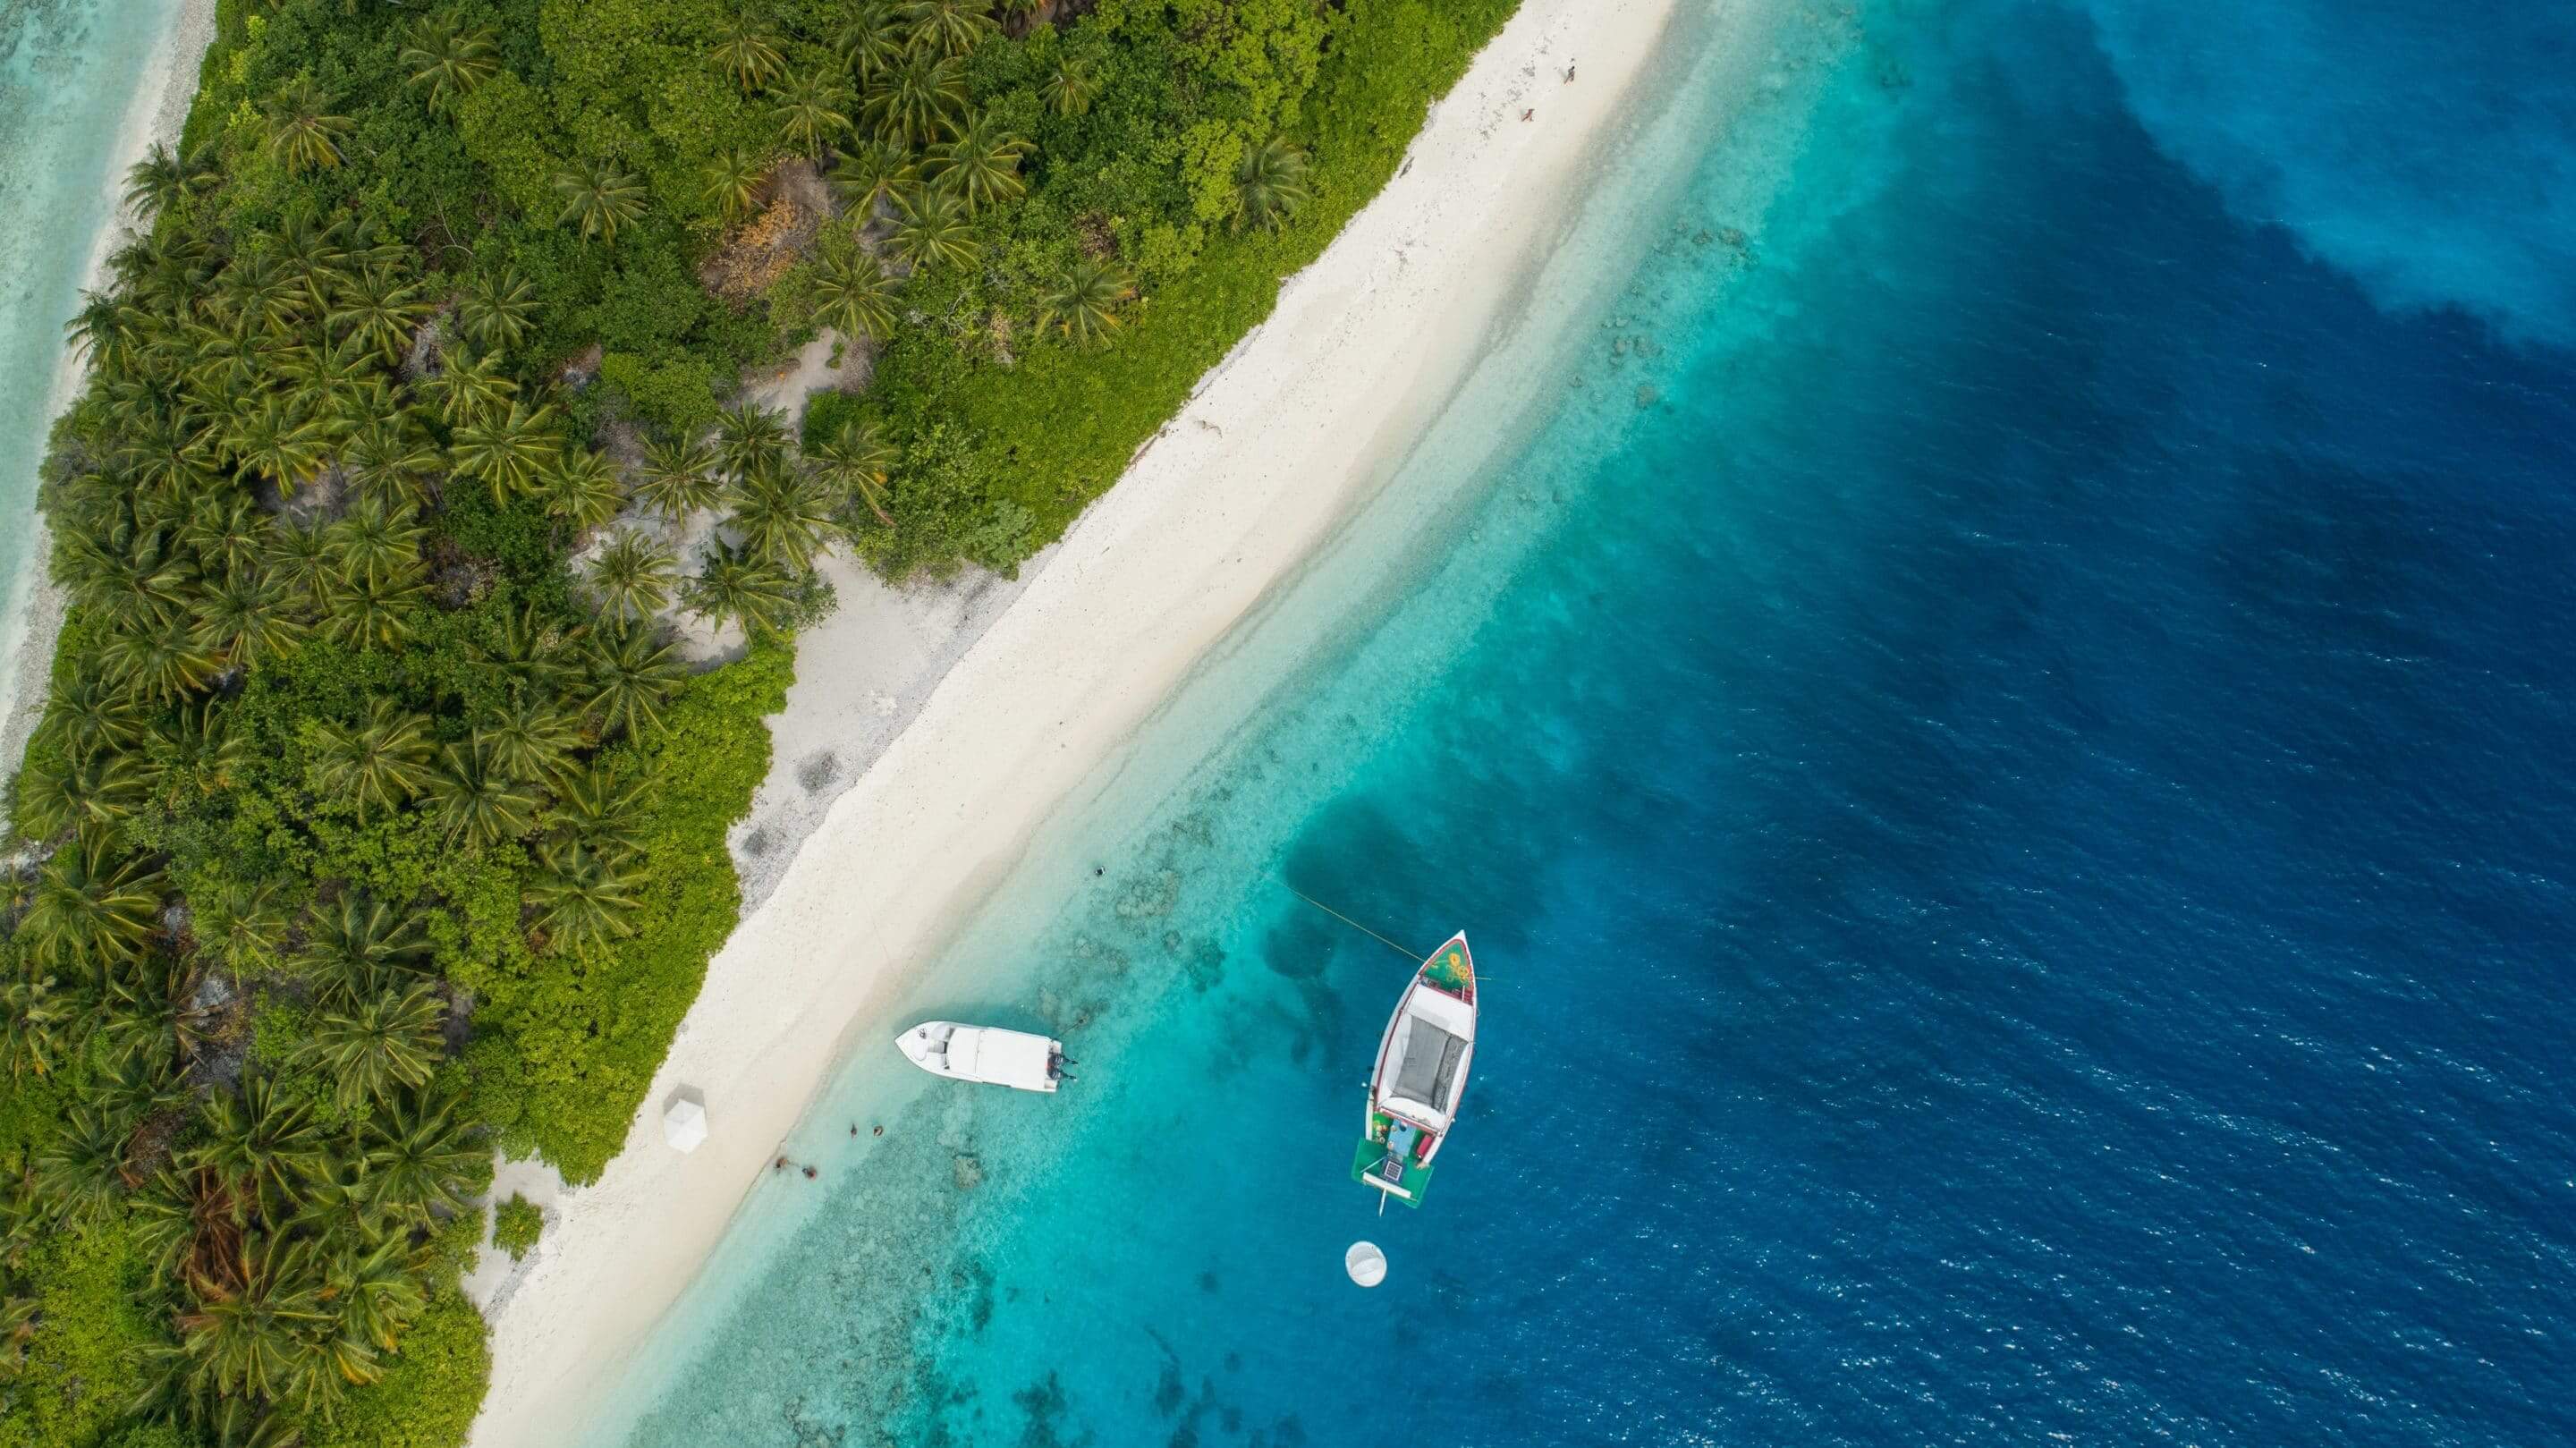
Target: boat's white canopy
(1434, 1031)
(1004, 1058)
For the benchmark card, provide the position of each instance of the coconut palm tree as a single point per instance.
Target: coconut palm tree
(811, 110)
(164, 178)
(530, 739)
(852, 294)
(934, 231)
(336, 383)
(508, 451)
(917, 102)
(869, 175)
(97, 792)
(733, 182)
(584, 899)
(361, 949)
(748, 52)
(382, 760)
(248, 619)
(249, 1341)
(600, 198)
(1072, 86)
(477, 802)
(783, 516)
(949, 27)
(369, 612)
(633, 576)
(277, 440)
(594, 807)
(302, 132)
(262, 1142)
(1270, 185)
(470, 388)
(228, 534)
(857, 461)
(733, 584)
(34, 1023)
(242, 925)
(750, 439)
(677, 479)
(302, 561)
(159, 660)
(84, 713)
(378, 540)
(310, 255)
(1084, 305)
(81, 1172)
(93, 906)
(632, 670)
(447, 61)
(981, 165)
(380, 310)
(377, 1290)
(196, 746)
(875, 38)
(584, 490)
(420, 1153)
(379, 1044)
(391, 461)
(154, 1011)
(496, 308)
(110, 331)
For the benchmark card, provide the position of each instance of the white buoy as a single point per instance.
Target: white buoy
(1365, 1263)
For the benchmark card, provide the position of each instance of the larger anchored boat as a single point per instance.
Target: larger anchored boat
(1421, 1073)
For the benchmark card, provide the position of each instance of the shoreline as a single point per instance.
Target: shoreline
(1299, 427)
(32, 615)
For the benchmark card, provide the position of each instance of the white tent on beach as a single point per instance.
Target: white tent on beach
(684, 1122)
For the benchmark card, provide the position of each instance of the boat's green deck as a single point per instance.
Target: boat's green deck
(1448, 970)
(1370, 1153)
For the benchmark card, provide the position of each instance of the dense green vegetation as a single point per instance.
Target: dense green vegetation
(517, 1225)
(376, 821)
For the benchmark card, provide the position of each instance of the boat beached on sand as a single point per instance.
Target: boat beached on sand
(1421, 1073)
(996, 1057)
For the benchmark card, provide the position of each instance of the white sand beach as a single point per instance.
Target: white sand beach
(1015, 694)
(34, 612)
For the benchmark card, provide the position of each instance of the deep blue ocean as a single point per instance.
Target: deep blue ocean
(2004, 747)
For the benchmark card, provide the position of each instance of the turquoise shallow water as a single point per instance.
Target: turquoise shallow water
(69, 72)
(2000, 736)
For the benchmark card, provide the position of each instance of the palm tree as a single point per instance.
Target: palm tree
(448, 61)
(301, 129)
(160, 660)
(279, 441)
(82, 1172)
(632, 670)
(33, 1020)
(380, 310)
(934, 231)
(164, 178)
(677, 479)
(1072, 86)
(1084, 306)
(476, 800)
(599, 197)
(583, 897)
(599, 810)
(382, 761)
(733, 182)
(364, 612)
(335, 384)
(633, 576)
(496, 308)
(981, 166)
(92, 792)
(869, 175)
(918, 100)
(247, 619)
(93, 906)
(378, 540)
(470, 388)
(584, 490)
(228, 534)
(733, 584)
(812, 109)
(748, 52)
(302, 561)
(856, 460)
(875, 38)
(242, 925)
(153, 1012)
(419, 1155)
(310, 254)
(249, 1341)
(378, 1291)
(949, 27)
(262, 1142)
(84, 713)
(750, 439)
(509, 451)
(529, 740)
(363, 949)
(1270, 185)
(378, 1045)
(852, 294)
(262, 291)
(782, 516)
(391, 461)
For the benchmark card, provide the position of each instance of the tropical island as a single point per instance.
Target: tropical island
(376, 822)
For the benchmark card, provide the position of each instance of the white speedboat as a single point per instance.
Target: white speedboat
(989, 1054)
